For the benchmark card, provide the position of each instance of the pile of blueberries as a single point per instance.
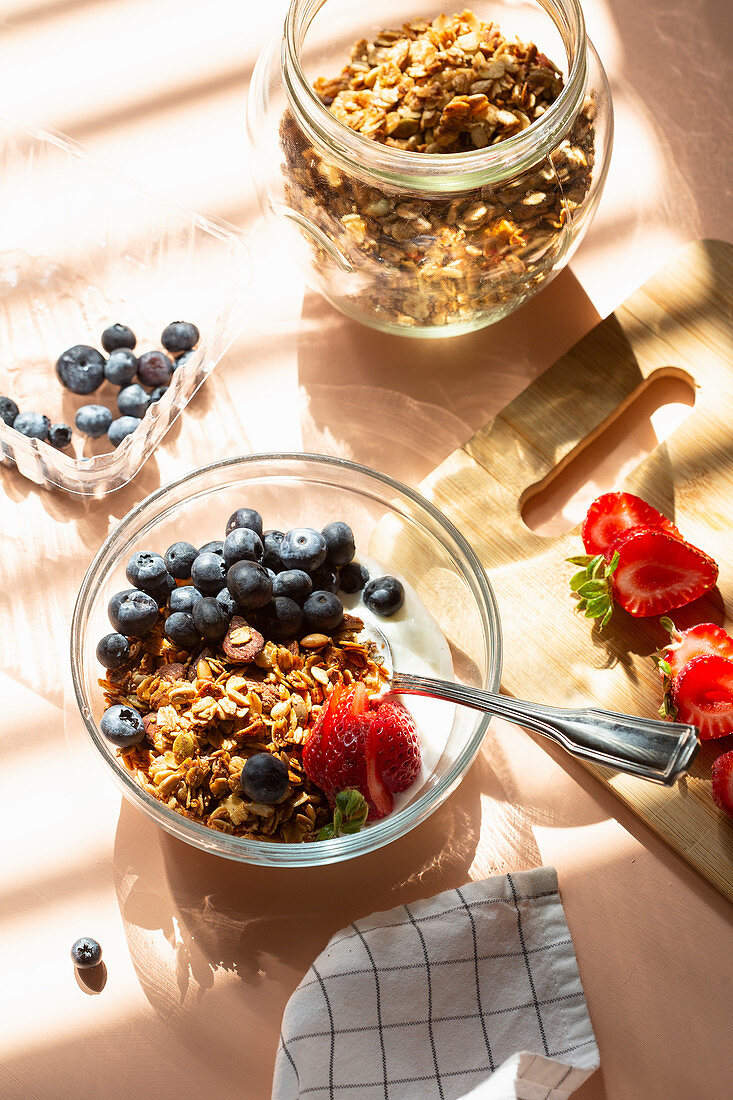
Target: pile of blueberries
(281, 582)
(82, 369)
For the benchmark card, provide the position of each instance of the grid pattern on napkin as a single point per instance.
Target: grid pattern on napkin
(430, 999)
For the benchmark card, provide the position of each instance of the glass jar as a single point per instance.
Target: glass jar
(430, 243)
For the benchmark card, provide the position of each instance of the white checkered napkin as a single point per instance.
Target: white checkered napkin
(475, 992)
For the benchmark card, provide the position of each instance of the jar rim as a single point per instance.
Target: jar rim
(443, 171)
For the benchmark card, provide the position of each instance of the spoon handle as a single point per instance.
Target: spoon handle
(648, 747)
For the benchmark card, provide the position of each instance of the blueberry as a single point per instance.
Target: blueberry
(154, 368)
(180, 336)
(59, 436)
(384, 595)
(121, 367)
(245, 517)
(325, 578)
(249, 584)
(293, 583)
(118, 336)
(133, 401)
(243, 544)
(216, 546)
(182, 359)
(178, 558)
(210, 618)
(181, 629)
(209, 573)
(145, 570)
(8, 410)
(157, 394)
(339, 542)
(113, 650)
(123, 726)
(303, 548)
(86, 953)
(227, 601)
(122, 427)
(93, 420)
(281, 618)
(265, 778)
(162, 591)
(34, 425)
(184, 598)
(80, 369)
(272, 541)
(353, 577)
(134, 614)
(323, 611)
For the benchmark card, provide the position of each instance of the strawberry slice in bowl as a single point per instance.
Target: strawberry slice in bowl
(613, 514)
(703, 695)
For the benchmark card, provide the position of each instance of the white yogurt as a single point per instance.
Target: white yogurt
(418, 646)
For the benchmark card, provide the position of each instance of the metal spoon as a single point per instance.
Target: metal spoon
(647, 747)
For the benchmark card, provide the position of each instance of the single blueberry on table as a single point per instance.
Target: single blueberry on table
(118, 336)
(242, 544)
(123, 726)
(353, 577)
(325, 578)
(384, 595)
(135, 613)
(80, 369)
(209, 573)
(339, 543)
(323, 611)
(133, 401)
(180, 336)
(293, 583)
(121, 367)
(303, 548)
(122, 427)
(184, 598)
(154, 368)
(265, 778)
(8, 410)
(93, 420)
(281, 618)
(249, 584)
(216, 546)
(59, 436)
(181, 629)
(272, 540)
(32, 424)
(86, 953)
(227, 601)
(157, 394)
(145, 570)
(178, 558)
(245, 517)
(210, 618)
(113, 650)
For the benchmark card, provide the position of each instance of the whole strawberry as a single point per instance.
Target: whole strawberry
(396, 745)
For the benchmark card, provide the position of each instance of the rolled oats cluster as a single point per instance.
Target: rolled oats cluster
(448, 86)
(206, 714)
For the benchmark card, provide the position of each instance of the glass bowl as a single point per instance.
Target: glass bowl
(81, 248)
(393, 524)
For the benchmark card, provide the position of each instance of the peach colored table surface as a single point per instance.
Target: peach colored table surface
(202, 954)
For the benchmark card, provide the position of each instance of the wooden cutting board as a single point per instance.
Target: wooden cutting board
(678, 324)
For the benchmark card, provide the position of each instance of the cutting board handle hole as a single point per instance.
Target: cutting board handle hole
(600, 462)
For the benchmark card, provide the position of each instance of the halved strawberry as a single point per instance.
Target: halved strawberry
(380, 799)
(397, 745)
(722, 776)
(703, 695)
(657, 572)
(313, 749)
(705, 638)
(613, 513)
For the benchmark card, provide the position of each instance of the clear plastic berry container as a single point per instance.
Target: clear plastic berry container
(81, 248)
(393, 525)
